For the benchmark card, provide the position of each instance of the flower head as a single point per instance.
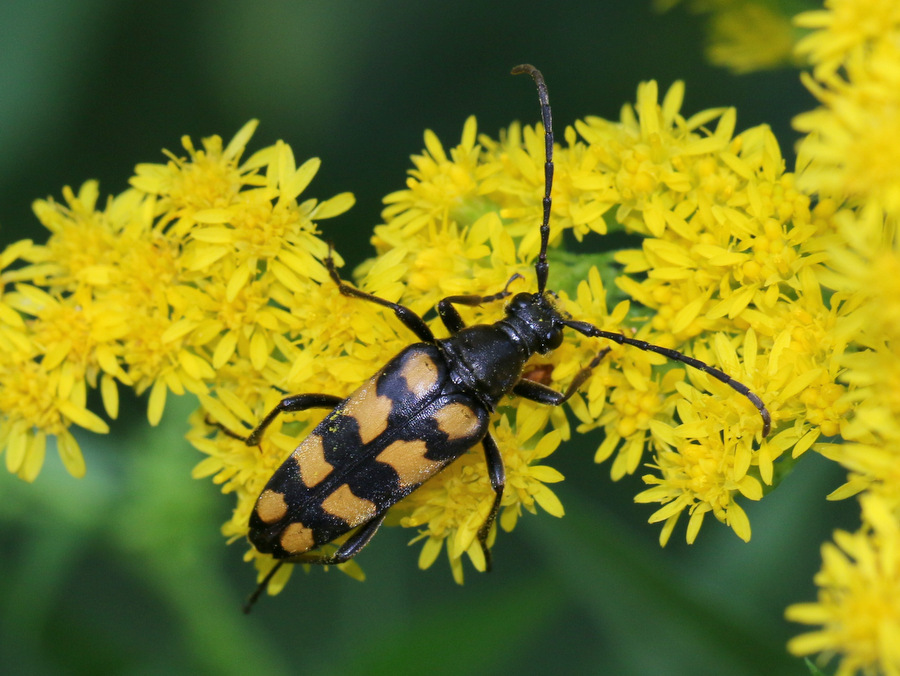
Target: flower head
(207, 276)
(743, 35)
(848, 160)
(859, 597)
(152, 289)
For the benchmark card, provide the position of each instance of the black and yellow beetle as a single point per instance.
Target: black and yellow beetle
(424, 409)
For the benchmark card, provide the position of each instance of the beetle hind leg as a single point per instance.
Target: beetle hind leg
(347, 551)
(497, 474)
(350, 548)
(263, 584)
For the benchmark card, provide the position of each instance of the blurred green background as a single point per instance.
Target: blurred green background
(125, 570)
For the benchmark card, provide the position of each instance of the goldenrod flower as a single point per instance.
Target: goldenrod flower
(859, 597)
(844, 32)
(849, 158)
(743, 35)
(206, 276)
(152, 290)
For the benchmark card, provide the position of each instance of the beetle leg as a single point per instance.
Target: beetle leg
(292, 404)
(449, 314)
(410, 319)
(347, 551)
(529, 389)
(254, 597)
(497, 474)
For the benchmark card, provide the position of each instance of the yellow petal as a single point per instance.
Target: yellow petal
(83, 417)
(157, 402)
(70, 453)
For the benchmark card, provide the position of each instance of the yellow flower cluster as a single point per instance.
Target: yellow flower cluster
(858, 605)
(206, 277)
(728, 272)
(851, 158)
(151, 290)
(744, 35)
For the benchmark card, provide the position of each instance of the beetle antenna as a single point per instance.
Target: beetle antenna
(590, 330)
(540, 266)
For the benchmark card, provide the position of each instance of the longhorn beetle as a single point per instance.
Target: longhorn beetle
(424, 409)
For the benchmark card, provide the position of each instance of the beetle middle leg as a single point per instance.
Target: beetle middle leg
(292, 404)
(497, 474)
(527, 389)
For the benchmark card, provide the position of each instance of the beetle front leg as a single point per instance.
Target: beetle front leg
(410, 319)
(497, 474)
(529, 389)
(450, 315)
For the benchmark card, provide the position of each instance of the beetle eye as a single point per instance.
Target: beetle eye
(552, 339)
(555, 339)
